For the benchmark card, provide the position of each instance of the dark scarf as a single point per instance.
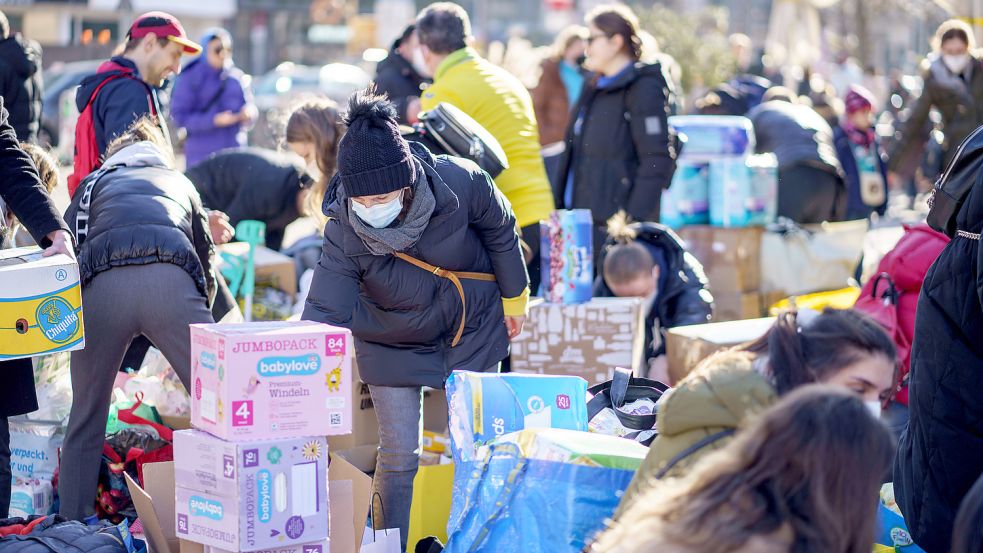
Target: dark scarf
(859, 137)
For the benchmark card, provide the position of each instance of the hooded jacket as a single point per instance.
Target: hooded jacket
(200, 93)
(137, 189)
(683, 298)
(119, 103)
(21, 86)
(54, 534)
(719, 395)
(404, 319)
(796, 134)
(620, 150)
(399, 80)
(940, 454)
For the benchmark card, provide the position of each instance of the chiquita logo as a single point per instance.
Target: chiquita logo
(289, 366)
(264, 491)
(201, 507)
(58, 321)
(207, 359)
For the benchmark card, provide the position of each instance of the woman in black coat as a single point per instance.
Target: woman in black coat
(419, 252)
(21, 190)
(620, 151)
(940, 455)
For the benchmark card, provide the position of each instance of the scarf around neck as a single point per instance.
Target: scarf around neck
(857, 136)
(405, 232)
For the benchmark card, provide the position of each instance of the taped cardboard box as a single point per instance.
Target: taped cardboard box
(588, 340)
(731, 257)
(687, 346)
(736, 306)
(271, 266)
(40, 304)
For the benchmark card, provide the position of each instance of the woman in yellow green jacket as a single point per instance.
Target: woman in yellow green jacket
(838, 347)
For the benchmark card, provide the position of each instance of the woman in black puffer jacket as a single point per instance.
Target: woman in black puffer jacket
(144, 257)
(419, 252)
(620, 152)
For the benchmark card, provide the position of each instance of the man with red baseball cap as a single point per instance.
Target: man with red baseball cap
(124, 88)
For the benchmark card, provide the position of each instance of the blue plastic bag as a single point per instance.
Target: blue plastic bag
(483, 406)
(509, 503)
(893, 532)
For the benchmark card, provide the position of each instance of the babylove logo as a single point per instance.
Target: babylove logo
(208, 360)
(202, 507)
(301, 365)
(264, 491)
(57, 319)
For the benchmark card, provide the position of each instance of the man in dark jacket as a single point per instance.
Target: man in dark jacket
(145, 265)
(940, 454)
(810, 178)
(398, 76)
(20, 81)
(154, 46)
(253, 183)
(648, 260)
(21, 190)
(421, 261)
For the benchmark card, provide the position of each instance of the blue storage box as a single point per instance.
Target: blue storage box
(567, 254)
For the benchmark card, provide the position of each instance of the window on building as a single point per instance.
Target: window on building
(97, 33)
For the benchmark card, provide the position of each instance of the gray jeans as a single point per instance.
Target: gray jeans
(158, 300)
(400, 414)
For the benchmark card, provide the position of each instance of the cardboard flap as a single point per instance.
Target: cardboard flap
(339, 470)
(155, 506)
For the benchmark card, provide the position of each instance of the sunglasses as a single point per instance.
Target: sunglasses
(218, 49)
(592, 38)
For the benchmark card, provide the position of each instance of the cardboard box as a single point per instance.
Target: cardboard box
(271, 380)
(687, 346)
(40, 304)
(351, 496)
(250, 496)
(271, 266)
(588, 340)
(567, 256)
(736, 306)
(322, 546)
(731, 257)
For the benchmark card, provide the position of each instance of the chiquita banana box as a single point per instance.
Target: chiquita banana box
(40, 304)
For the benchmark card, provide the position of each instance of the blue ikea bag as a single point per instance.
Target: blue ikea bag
(507, 502)
(893, 532)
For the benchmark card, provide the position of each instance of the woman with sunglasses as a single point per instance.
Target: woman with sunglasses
(620, 153)
(209, 101)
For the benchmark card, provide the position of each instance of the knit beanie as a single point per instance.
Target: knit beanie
(858, 98)
(373, 158)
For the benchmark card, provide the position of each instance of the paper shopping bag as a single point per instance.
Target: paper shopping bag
(381, 541)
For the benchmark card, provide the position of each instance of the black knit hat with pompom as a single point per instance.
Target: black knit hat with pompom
(373, 158)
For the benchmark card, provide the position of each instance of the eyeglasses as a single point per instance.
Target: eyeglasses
(592, 38)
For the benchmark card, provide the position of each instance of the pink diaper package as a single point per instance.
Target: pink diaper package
(251, 496)
(271, 380)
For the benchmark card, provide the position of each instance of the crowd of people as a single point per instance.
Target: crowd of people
(771, 446)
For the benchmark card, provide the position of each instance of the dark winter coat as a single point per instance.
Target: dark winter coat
(200, 93)
(619, 146)
(22, 191)
(958, 100)
(403, 318)
(21, 86)
(940, 455)
(143, 212)
(855, 206)
(252, 183)
(56, 535)
(683, 298)
(396, 78)
(796, 134)
(119, 103)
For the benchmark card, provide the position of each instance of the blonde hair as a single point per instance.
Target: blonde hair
(46, 165)
(317, 121)
(143, 129)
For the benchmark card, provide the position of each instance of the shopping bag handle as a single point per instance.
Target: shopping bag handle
(382, 508)
(505, 497)
(478, 475)
(129, 416)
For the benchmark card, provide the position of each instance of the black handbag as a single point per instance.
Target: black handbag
(953, 187)
(460, 135)
(625, 388)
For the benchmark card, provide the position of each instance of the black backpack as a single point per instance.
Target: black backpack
(954, 185)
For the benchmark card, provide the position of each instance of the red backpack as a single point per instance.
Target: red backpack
(891, 297)
(86, 145)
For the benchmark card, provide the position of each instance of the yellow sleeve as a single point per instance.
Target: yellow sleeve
(517, 306)
(436, 94)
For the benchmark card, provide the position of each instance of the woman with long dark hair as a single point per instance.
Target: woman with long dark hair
(802, 477)
(313, 132)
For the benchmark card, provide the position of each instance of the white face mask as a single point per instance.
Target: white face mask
(956, 64)
(420, 64)
(874, 407)
(379, 215)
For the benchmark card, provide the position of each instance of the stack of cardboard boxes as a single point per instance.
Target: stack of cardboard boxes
(731, 258)
(252, 474)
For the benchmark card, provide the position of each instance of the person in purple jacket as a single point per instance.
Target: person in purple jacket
(209, 100)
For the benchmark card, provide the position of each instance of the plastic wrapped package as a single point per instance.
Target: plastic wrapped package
(160, 386)
(483, 406)
(53, 383)
(763, 204)
(607, 422)
(687, 200)
(34, 447)
(32, 496)
(708, 136)
(573, 447)
(567, 252)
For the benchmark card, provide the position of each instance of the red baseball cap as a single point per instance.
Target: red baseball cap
(164, 25)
